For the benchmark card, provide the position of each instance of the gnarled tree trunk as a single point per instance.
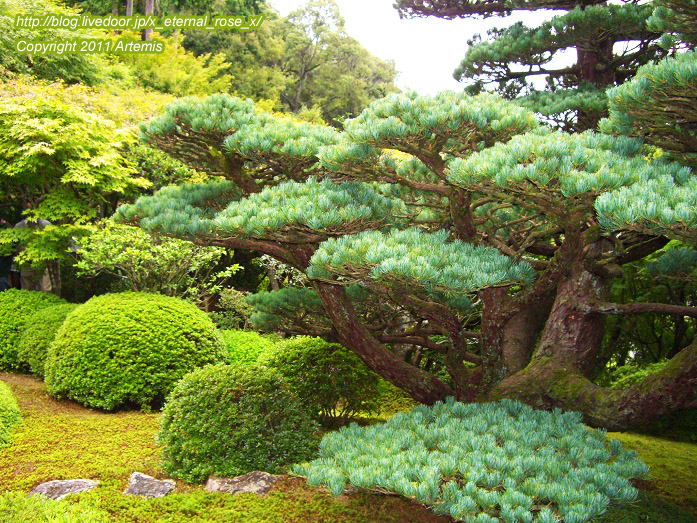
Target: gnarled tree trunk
(568, 352)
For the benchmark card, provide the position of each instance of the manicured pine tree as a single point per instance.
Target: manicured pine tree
(611, 41)
(501, 237)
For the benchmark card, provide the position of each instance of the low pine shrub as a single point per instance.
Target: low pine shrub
(41, 328)
(228, 421)
(10, 416)
(16, 307)
(17, 507)
(245, 347)
(129, 349)
(497, 462)
(329, 379)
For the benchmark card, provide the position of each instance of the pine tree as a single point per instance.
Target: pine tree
(611, 41)
(493, 241)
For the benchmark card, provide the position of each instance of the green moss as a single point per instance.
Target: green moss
(60, 440)
(16, 507)
(672, 463)
(292, 502)
(647, 508)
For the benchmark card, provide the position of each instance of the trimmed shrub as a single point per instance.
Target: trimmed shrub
(329, 379)
(245, 347)
(10, 416)
(483, 462)
(228, 421)
(17, 507)
(41, 328)
(129, 349)
(15, 309)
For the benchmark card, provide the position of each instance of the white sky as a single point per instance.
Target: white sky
(426, 51)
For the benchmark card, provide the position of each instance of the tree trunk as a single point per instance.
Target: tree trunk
(521, 333)
(509, 332)
(149, 9)
(571, 336)
(593, 62)
(467, 382)
(421, 385)
(129, 7)
(494, 318)
(569, 349)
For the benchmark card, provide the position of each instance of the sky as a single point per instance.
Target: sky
(426, 51)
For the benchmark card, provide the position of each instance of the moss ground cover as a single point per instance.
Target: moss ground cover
(673, 465)
(60, 439)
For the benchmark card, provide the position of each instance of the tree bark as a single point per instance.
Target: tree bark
(509, 332)
(494, 318)
(572, 335)
(640, 308)
(129, 7)
(521, 333)
(568, 352)
(593, 64)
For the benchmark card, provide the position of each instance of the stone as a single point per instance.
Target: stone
(148, 487)
(256, 482)
(58, 489)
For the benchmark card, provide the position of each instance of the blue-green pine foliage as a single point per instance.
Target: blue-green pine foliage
(483, 463)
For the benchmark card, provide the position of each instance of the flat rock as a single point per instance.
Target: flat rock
(256, 482)
(58, 489)
(148, 487)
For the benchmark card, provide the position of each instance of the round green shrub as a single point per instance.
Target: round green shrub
(129, 349)
(15, 309)
(40, 329)
(228, 421)
(483, 462)
(245, 347)
(330, 380)
(17, 507)
(10, 416)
